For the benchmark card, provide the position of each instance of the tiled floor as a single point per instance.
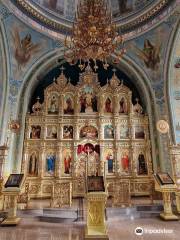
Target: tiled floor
(32, 229)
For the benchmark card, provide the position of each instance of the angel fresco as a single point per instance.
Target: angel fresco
(24, 48)
(150, 54)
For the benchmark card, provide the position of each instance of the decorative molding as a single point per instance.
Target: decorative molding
(151, 13)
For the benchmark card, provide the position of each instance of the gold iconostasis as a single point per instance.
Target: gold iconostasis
(87, 130)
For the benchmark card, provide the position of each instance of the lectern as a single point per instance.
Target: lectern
(165, 184)
(96, 201)
(10, 192)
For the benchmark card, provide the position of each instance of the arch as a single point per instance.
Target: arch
(169, 75)
(5, 76)
(47, 62)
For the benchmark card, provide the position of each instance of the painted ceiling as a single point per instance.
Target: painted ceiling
(120, 8)
(57, 16)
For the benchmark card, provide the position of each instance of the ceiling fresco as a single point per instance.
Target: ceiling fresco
(55, 17)
(120, 8)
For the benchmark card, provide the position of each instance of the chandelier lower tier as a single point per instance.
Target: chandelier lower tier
(94, 35)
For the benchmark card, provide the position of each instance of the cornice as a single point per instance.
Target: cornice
(60, 25)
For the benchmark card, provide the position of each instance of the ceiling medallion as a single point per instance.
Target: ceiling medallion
(162, 126)
(94, 35)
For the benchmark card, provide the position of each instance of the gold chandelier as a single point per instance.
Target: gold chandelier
(94, 35)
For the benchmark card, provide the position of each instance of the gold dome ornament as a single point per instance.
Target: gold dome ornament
(37, 107)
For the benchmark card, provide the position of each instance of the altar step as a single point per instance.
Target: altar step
(69, 215)
(149, 211)
(51, 214)
(59, 215)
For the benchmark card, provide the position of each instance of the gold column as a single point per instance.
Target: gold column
(116, 106)
(96, 227)
(59, 162)
(101, 143)
(115, 145)
(76, 129)
(61, 104)
(76, 105)
(102, 162)
(101, 105)
(42, 162)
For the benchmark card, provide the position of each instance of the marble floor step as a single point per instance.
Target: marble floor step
(149, 208)
(149, 214)
(61, 213)
(29, 212)
(134, 212)
(133, 216)
(118, 211)
(123, 217)
(75, 214)
(55, 219)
